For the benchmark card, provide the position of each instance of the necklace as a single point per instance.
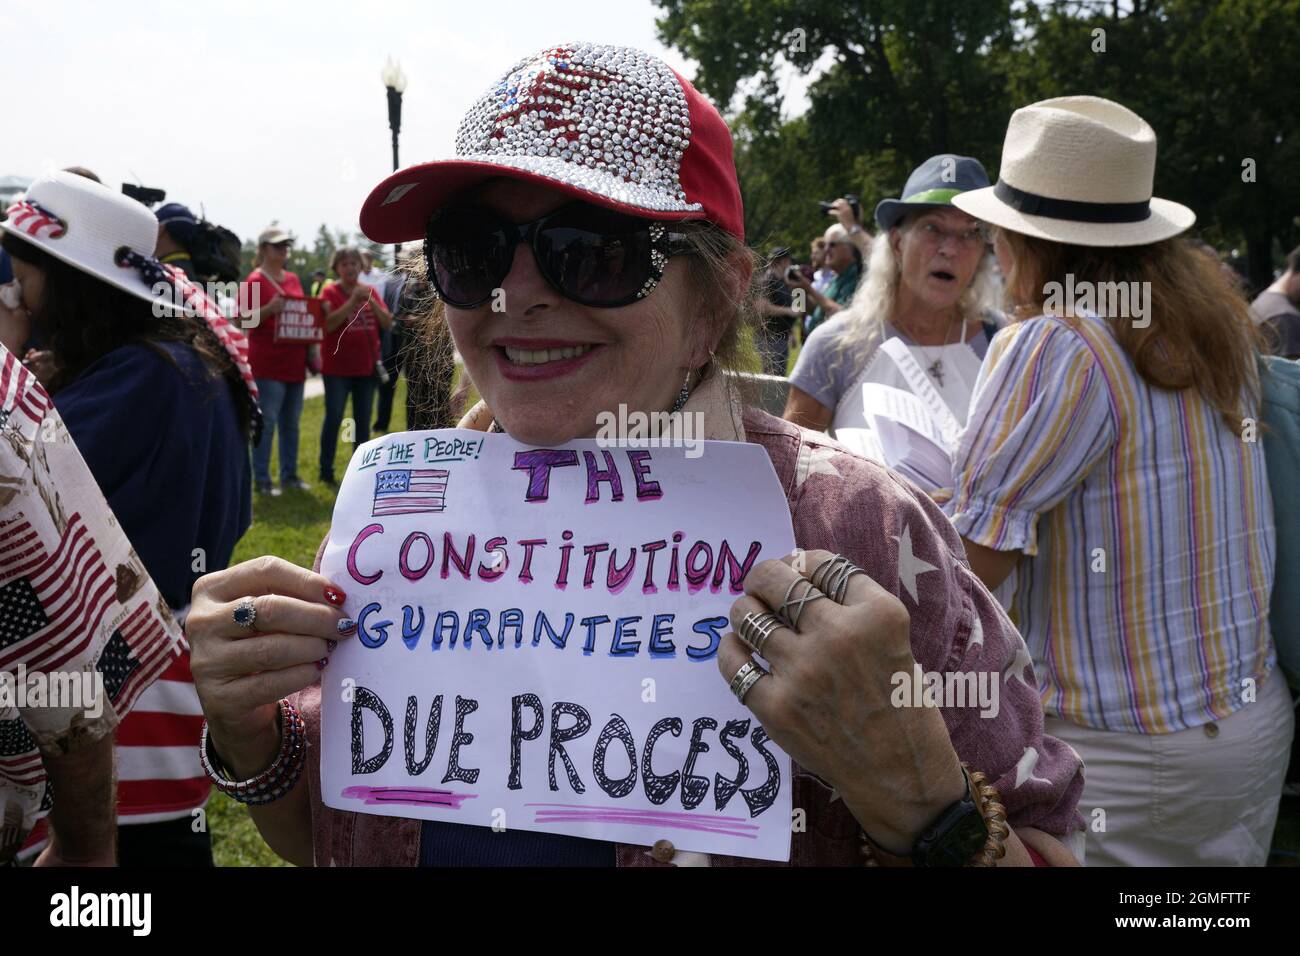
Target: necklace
(935, 368)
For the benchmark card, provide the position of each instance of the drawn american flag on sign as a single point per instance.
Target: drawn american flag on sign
(406, 491)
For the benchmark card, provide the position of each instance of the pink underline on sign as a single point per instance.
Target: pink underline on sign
(410, 796)
(557, 816)
(632, 811)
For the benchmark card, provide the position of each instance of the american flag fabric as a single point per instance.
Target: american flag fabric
(36, 222)
(405, 491)
(74, 598)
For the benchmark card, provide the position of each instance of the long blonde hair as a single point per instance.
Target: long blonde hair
(1200, 333)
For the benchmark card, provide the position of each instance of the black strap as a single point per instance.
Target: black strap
(1032, 204)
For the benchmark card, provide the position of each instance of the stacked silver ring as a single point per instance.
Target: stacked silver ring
(791, 610)
(756, 628)
(832, 577)
(748, 675)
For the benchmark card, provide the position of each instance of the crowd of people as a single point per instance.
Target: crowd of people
(1106, 547)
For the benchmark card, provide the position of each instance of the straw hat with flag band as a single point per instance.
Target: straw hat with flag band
(112, 237)
(606, 124)
(1078, 170)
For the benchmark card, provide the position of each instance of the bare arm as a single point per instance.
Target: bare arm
(991, 567)
(83, 820)
(804, 410)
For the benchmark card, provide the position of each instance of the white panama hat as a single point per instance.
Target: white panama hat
(1078, 170)
(85, 224)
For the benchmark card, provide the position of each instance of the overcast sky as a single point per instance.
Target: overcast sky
(261, 110)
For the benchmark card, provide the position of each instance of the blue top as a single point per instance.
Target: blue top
(6, 268)
(455, 844)
(165, 447)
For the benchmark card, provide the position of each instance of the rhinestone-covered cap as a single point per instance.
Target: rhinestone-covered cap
(609, 124)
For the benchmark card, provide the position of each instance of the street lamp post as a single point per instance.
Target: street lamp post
(395, 82)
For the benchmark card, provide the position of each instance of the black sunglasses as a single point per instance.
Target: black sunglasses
(594, 256)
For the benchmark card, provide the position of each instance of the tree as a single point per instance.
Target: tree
(911, 78)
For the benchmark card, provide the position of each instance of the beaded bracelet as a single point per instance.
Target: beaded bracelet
(273, 782)
(995, 818)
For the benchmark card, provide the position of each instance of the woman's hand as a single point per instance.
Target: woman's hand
(42, 364)
(15, 328)
(800, 281)
(241, 673)
(275, 306)
(827, 702)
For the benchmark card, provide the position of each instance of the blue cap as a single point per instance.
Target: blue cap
(933, 184)
(178, 219)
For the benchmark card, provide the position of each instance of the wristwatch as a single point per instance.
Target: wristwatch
(956, 836)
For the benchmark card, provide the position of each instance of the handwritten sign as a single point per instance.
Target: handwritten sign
(301, 320)
(537, 640)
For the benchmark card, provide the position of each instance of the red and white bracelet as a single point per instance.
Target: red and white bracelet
(273, 782)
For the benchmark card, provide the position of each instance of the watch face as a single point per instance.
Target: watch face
(959, 836)
(967, 838)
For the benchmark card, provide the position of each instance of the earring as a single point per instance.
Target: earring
(683, 395)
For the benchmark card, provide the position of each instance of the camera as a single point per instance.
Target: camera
(145, 194)
(854, 204)
(792, 274)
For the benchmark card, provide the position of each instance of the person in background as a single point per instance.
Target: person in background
(927, 285)
(1277, 308)
(1104, 462)
(821, 276)
(279, 367)
(371, 274)
(775, 306)
(161, 408)
(844, 258)
(350, 353)
(403, 297)
(176, 227)
(318, 279)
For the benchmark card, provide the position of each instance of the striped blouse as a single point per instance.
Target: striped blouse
(1150, 522)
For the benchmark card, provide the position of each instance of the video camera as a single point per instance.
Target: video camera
(144, 194)
(854, 203)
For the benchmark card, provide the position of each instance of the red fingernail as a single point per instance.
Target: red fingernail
(330, 645)
(322, 663)
(335, 596)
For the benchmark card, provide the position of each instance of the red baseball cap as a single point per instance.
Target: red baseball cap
(607, 124)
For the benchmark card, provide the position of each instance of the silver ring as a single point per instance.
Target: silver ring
(245, 613)
(832, 577)
(756, 628)
(790, 611)
(748, 675)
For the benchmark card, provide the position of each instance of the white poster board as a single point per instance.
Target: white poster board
(537, 640)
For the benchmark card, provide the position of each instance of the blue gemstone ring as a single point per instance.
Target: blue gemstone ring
(245, 613)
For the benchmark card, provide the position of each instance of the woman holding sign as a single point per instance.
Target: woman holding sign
(580, 275)
(279, 365)
(350, 355)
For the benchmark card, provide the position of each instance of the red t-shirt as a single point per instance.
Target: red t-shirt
(279, 361)
(353, 348)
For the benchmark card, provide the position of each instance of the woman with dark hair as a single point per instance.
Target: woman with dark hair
(350, 354)
(624, 281)
(158, 398)
(1109, 460)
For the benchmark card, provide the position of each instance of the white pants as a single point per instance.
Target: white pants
(1207, 796)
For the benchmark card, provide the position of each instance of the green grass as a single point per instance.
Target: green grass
(292, 527)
